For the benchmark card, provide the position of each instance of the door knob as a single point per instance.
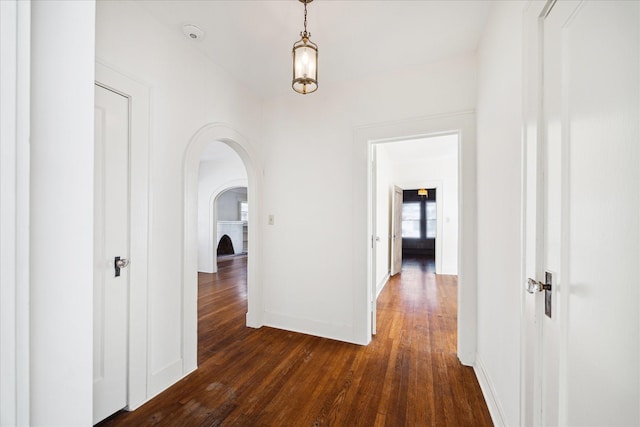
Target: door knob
(534, 286)
(119, 263)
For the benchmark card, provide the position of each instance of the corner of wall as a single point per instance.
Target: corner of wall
(489, 393)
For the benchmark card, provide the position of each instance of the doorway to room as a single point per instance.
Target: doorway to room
(415, 184)
(206, 146)
(419, 226)
(222, 205)
(462, 124)
(121, 205)
(223, 220)
(414, 207)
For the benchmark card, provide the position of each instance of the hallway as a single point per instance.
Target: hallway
(409, 375)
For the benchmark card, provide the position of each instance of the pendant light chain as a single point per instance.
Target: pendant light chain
(305, 34)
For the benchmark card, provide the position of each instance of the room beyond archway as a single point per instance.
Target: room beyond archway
(222, 196)
(226, 139)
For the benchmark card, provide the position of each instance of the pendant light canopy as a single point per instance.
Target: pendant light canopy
(305, 60)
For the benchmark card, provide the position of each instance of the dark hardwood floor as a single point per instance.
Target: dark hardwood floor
(408, 376)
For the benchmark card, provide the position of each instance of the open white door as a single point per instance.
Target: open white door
(111, 240)
(581, 364)
(396, 231)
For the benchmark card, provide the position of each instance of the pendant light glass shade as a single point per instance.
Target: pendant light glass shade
(305, 66)
(305, 60)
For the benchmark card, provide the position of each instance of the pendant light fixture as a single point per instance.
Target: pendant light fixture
(423, 192)
(305, 60)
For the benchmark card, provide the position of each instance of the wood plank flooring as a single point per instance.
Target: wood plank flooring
(408, 376)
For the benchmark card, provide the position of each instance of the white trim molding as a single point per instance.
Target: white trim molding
(382, 284)
(15, 29)
(489, 393)
(462, 123)
(139, 118)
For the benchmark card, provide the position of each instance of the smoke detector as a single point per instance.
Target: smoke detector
(193, 32)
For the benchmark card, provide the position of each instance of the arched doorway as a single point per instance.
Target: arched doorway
(224, 134)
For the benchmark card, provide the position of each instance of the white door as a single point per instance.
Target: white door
(111, 240)
(581, 365)
(396, 231)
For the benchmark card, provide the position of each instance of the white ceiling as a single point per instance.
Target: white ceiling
(252, 39)
(217, 151)
(420, 150)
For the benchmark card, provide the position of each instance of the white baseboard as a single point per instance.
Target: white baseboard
(165, 378)
(380, 286)
(253, 321)
(317, 328)
(495, 409)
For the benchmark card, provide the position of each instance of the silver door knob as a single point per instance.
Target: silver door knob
(122, 263)
(534, 286)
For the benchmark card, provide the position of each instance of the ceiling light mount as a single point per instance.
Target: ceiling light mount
(193, 32)
(305, 60)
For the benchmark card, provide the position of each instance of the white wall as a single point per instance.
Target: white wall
(306, 149)
(311, 154)
(223, 171)
(229, 204)
(499, 118)
(188, 92)
(61, 256)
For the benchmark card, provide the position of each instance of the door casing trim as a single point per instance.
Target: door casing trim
(139, 103)
(464, 124)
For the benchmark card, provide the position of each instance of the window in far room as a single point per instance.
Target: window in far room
(244, 211)
(431, 215)
(419, 220)
(411, 218)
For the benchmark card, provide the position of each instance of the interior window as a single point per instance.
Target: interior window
(431, 215)
(411, 220)
(244, 211)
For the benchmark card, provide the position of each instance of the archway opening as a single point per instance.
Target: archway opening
(199, 214)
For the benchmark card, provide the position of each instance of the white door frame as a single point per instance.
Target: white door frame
(138, 95)
(569, 286)
(223, 133)
(462, 123)
(15, 75)
(532, 213)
